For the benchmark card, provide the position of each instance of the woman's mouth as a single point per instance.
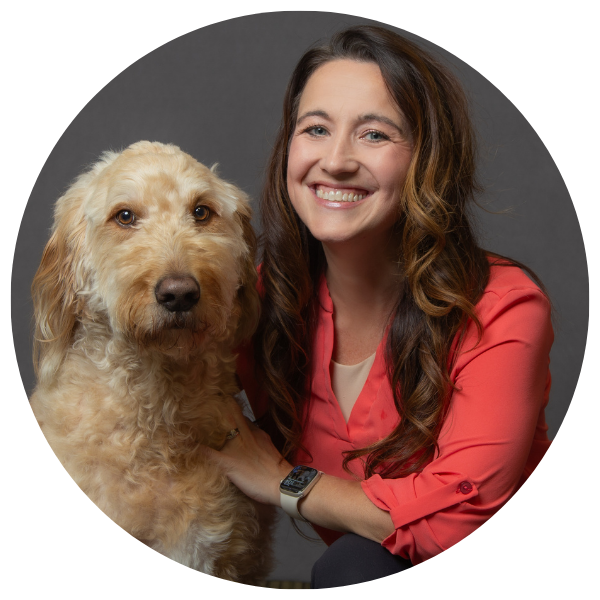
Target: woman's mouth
(340, 194)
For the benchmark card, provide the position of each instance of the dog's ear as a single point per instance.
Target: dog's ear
(57, 281)
(247, 297)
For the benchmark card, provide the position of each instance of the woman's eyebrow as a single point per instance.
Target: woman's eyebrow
(381, 119)
(313, 113)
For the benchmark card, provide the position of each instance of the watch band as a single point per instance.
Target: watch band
(290, 506)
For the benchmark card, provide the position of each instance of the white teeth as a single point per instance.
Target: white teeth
(339, 196)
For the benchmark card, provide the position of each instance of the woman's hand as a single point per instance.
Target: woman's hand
(251, 461)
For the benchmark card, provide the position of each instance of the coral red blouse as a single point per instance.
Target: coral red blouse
(494, 436)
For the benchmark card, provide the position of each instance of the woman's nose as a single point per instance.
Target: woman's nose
(339, 157)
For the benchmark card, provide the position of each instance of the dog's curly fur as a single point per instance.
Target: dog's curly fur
(128, 391)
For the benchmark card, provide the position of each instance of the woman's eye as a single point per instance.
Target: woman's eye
(376, 136)
(315, 131)
(125, 217)
(201, 213)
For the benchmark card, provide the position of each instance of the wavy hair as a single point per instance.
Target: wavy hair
(445, 270)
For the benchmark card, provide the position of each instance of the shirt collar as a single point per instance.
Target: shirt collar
(324, 297)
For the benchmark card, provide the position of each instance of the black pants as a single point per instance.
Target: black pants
(354, 559)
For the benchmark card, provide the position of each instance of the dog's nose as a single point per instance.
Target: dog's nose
(177, 294)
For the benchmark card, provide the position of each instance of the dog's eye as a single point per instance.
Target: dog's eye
(125, 217)
(201, 213)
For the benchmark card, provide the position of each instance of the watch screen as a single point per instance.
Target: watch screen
(299, 478)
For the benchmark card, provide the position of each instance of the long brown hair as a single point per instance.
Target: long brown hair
(445, 270)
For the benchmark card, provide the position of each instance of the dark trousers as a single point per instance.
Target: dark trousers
(354, 559)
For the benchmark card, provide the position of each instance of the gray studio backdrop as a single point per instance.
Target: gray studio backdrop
(217, 93)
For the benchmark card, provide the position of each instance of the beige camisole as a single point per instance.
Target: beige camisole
(347, 382)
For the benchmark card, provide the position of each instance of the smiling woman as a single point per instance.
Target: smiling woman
(398, 362)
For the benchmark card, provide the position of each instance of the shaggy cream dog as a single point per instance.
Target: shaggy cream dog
(144, 288)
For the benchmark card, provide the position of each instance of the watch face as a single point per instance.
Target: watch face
(298, 479)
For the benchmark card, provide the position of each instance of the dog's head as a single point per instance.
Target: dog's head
(155, 246)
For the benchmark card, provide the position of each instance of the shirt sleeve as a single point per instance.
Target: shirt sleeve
(246, 371)
(494, 429)
(248, 380)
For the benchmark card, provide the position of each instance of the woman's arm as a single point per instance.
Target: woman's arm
(256, 467)
(342, 505)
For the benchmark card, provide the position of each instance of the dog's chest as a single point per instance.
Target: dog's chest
(127, 421)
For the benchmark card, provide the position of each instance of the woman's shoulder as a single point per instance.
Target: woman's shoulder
(512, 293)
(508, 278)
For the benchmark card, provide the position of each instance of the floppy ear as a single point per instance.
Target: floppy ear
(55, 286)
(247, 296)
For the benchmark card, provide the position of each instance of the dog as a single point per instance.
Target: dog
(145, 287)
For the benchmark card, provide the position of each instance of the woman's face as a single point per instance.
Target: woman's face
(349, 154)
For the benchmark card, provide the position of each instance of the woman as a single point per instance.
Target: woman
(393, 354)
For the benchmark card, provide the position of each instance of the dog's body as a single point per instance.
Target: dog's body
(146, 285)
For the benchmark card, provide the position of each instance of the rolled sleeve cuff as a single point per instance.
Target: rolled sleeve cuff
(399, 498)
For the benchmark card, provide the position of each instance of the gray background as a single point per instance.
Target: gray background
(217, 94)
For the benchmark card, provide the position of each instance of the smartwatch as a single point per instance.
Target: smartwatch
(295, 486)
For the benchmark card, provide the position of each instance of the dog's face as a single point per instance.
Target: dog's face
(157, 244)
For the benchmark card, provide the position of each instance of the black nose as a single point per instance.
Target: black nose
(177, 294)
